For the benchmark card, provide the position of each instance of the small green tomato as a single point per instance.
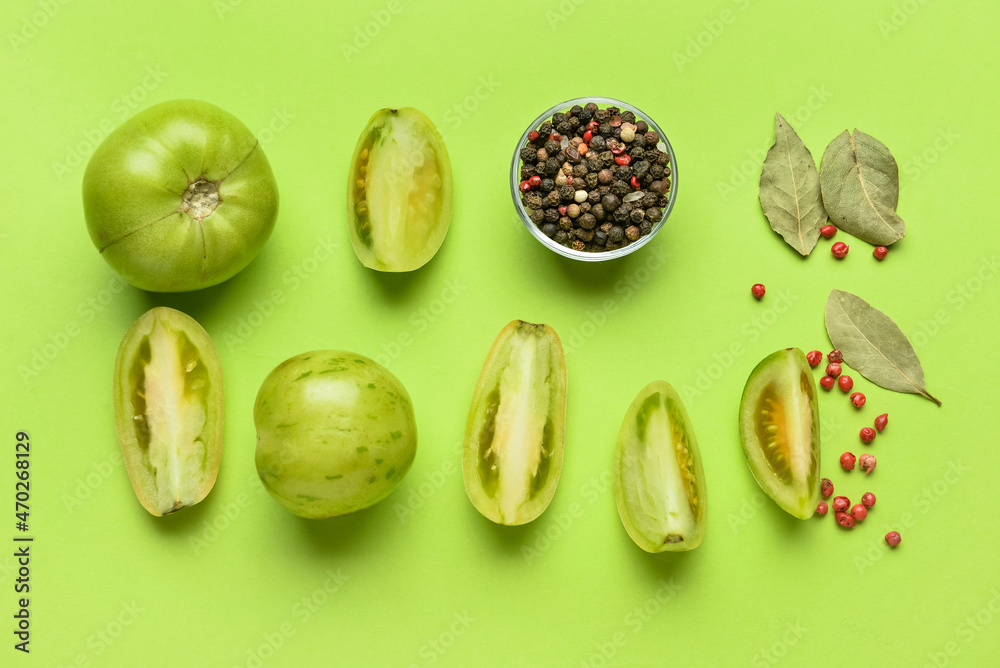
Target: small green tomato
(179, 197)
(335, 433)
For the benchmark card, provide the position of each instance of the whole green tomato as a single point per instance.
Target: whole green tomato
(335, 433)
(179, 197)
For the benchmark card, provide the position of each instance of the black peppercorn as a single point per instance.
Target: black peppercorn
(528, 153)
(549, 230)
(620, 216)
(580, 170)
(648, 200)
(645, 227)
(656, 171)
(616, 132)
(614, 111)
(574, 123)
(620, 188)
(547, 185)
(545, 129)
(526, 172)
(598, 143)
(652, 138)
(553, 198)
(565, 223)
(560, 237)
(628, 117)
(575, 110)
(605, 176)
(653, 214)
(566, 193)
(639, 142)
(537, 216)
(591, 107)
(600, 237)
(616, 234)
(552, 215)
(640, 168)
(585, 235)
(585, 116)
(591, 180)
(588, 221)
(610, 202)
(551, 167)
(564, 128)
(637, 216)
(607, 158)
(636, 152)
(558, 118)
(641, 127)
(622, 172)
(605, 129)
(632, 233)
(663, 159)
(585, 207)
(552, 147)
(659, 187)
(533, 200)
(597, 211)
(593, 197)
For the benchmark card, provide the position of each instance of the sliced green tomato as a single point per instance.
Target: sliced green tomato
(399, 194)
(169, 409)
(658, 477)
(779, 429)
(514, 437)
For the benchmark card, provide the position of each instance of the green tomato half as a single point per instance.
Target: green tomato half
(399, 191)
(335, 433)
(179, 197)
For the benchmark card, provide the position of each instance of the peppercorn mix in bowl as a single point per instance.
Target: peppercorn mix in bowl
(593, 178)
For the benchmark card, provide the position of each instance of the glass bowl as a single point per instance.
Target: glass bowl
(585, 256)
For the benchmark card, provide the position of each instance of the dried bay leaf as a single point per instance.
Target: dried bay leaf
(790, 191)
(873, 344)
(860, 183)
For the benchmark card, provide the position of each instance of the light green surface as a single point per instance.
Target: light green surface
(238, 577)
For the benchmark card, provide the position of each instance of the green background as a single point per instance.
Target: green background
(422, 578)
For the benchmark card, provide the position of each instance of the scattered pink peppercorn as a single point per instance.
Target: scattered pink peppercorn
(593, 125)
(826, 488)
(893, 538)
(868, 500)
(835, 356)
(814, 357)
(847, 461)
(867, 463)
(555, 136)
(634, 182)
(841, 504)
(524, 186)
(827, 382)
(535, 181)
(828, 231)
(880, 252)
(858, 399)
(859, 512)
(839, 249)
(623, 159)
(845, 520)
(563, 209)
(867, 434)
(845, 383)
(588, 136)
(833, 369)
(881, 421)
(822, 508)
(757, 289)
